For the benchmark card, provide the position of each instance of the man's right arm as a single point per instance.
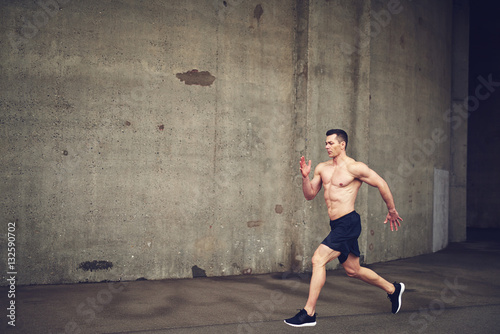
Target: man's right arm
(310, 188)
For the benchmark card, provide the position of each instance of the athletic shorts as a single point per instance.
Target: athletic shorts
(344, 235)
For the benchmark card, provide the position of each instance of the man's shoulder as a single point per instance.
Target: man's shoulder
(324, 164)
(357, 168)
(350, 162)
(321, 167)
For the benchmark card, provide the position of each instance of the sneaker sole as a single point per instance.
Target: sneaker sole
(308, 324)
(399, 297)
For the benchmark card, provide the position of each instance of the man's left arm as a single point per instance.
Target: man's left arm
(369, 176)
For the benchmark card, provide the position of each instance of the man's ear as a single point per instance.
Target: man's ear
(342, 143)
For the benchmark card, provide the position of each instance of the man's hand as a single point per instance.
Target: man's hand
(310, 187)
(305, 169)
(394, 218)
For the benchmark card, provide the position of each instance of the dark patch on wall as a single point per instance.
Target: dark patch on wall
(247, 271)
(254, 223)
(278, 209)
(127, 123)
(258, 11)
(95, 265)
(161, 127)
(198, 272)
(295, 264)
(194, 77)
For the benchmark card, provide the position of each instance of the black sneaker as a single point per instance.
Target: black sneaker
(395, 298)
(302, 319)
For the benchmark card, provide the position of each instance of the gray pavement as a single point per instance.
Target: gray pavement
(456, 290)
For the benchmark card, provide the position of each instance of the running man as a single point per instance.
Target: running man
(341, 178)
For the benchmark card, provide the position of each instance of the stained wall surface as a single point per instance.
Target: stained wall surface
(162, 139)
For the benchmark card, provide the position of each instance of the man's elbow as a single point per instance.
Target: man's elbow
(381, 185)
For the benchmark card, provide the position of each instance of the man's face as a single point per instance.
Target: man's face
(333, 147)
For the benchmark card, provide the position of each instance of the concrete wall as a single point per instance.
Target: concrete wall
(162, 139)
(409, 135)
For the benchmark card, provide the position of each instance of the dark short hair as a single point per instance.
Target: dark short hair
(341, 135)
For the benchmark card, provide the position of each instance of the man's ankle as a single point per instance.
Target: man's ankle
(309, 311)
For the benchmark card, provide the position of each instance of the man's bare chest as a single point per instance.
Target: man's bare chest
(337, 177)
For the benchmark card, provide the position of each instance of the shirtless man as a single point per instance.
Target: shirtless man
(341, 178)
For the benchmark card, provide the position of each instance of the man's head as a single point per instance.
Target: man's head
(336, 139)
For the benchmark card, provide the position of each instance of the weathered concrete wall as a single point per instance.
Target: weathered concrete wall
(411, 91)
(382, 72)
(339, 95)
(109, 156)
(162, 139)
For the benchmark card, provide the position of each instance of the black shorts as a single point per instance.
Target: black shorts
(344, 235)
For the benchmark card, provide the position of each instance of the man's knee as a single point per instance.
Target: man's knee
(317, 260)
(352, 272)
(323, 255)
(320, 260)
(351, 268)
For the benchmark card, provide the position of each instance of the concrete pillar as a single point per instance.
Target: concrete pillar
(458, 131)
(294, 230)
(440, 230)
